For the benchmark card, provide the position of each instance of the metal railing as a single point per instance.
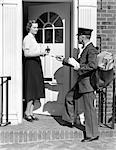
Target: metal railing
(103, 107)
(4, 84)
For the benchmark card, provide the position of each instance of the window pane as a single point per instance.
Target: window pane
(53, 16)
(48, 35)
(58, 23)
(39, 36)
(40, 24)
(44, 17)
(48, 25)
(58, 35)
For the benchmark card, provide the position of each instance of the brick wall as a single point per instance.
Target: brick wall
(106, 33)
(106, 24)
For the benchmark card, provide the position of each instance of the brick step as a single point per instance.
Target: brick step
(46, 129)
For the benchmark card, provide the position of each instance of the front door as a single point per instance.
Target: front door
(53, 34)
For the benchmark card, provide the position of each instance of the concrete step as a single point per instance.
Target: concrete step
(46, 129)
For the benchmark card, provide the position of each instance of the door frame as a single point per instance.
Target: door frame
(74, 22)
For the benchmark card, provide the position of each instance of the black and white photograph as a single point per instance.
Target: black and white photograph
(57, 74)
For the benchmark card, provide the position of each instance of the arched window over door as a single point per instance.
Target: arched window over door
(50, 28)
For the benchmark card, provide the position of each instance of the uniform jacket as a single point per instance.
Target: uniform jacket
(88, 64)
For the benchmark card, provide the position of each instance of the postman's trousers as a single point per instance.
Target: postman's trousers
(91, 125)
(73, 106)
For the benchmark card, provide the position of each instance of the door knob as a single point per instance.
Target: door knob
(47, 49)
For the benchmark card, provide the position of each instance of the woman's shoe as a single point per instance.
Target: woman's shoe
(34, 118)
(28, 118)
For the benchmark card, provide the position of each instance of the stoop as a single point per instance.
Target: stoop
(46, 129)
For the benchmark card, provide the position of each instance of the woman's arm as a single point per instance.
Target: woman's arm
(32, 48)
(34, 52)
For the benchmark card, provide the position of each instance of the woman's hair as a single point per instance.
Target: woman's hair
(29, 24)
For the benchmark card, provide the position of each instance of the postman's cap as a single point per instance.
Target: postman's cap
(84, 31)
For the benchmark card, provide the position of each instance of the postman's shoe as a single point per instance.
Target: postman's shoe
(85, 139)
(93, 138)
(90, 139)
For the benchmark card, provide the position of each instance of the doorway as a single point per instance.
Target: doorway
(54, 33)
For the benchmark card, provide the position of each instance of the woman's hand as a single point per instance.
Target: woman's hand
(44, 53)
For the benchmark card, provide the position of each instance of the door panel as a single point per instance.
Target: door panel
(54, 33)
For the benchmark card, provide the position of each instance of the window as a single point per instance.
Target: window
(50, 28)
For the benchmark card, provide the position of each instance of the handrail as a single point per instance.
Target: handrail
(102, 102)
(4, 80)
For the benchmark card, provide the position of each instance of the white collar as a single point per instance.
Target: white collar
(87, 44)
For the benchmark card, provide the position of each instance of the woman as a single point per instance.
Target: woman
(34, 82)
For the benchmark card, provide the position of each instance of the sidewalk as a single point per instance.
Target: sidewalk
(75, 144)
(45, 130)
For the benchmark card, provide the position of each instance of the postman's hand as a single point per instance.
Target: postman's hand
(76, 67)
(74, 63)
(59, 58)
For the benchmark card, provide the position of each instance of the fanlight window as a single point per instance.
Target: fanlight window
(50, 28)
